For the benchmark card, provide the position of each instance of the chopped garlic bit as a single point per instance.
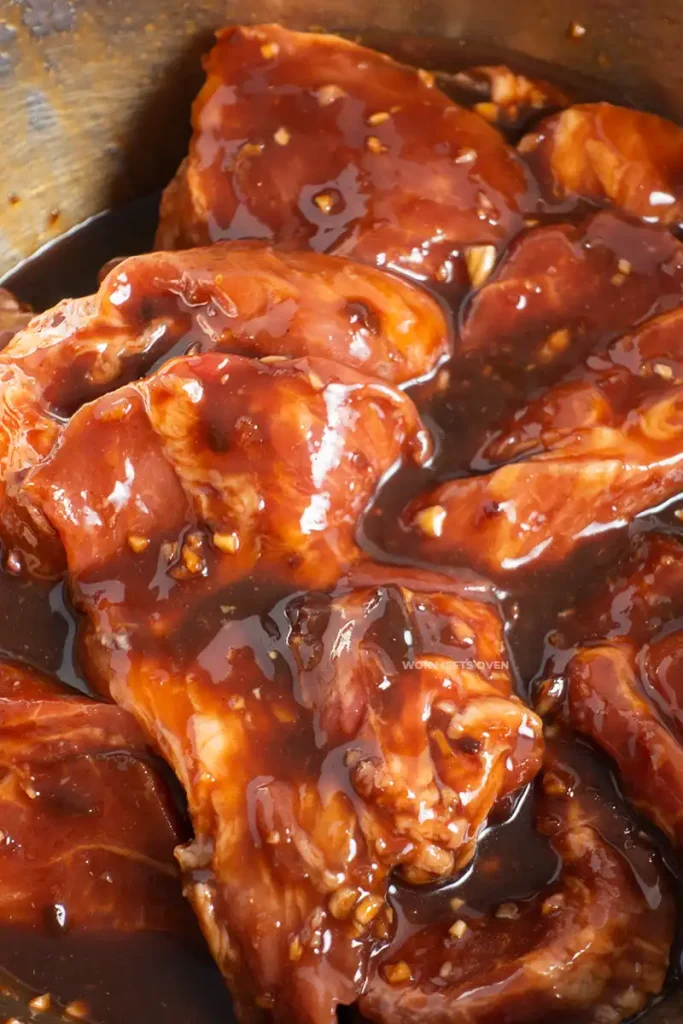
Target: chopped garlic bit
(327, 94)
(489, 111)
(507, 911)
(480, 260)
(374, 145)
(663, 370)
(324, 201)
(457, 929)
(397, 973)
(228, 543)
(137, 543)
(430, 520)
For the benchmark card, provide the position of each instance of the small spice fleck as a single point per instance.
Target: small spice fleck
(443, 380)
(367, 909)
(39, 1004)
(553, 903)
(397, 973)
(457, 929)
(343, 901)
(489, 111)
(328, 94)
(137, 543)
(374, 145)
(576, 30)
(226, 542)
(193, 562)
(13, 562)
(77, 1009)
(480, 260)
(553, 785)
(324, 201)
(282, 136)
(430, 520)
(663, 370)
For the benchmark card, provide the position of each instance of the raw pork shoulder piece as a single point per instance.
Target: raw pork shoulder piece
(593, 945)
(316, 141)
(210, 544)
(591, 453)
(609, 154)
(247, 299)
(88, 823)
(617, 668)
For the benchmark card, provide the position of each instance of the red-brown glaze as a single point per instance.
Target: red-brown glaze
(609, 154)
(595, 450)
(243, 298)
(268, 461)
(88, 826)
(322, 741)
(346, 730)
(616, 659)
(403, 177)
(593, 945)
(563, 287)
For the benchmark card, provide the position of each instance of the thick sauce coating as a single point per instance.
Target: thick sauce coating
(346, 731)
(313, 757)
(242, 299)
(593, 945)
(614, 673)
(319, 142)
(609, 154)
(591, 452)
(88, 824)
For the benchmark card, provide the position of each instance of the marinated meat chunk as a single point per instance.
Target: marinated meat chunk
(593, 945)
(88, 823)
(595, 450)
(317, 753)
(609, 154)
(228, 461)
(319, 142)
(505, 98)
(636, 369)
(314, 763)
(563, 288)
(616, 665)
(246, 299)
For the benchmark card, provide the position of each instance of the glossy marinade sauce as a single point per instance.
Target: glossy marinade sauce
(461, 404)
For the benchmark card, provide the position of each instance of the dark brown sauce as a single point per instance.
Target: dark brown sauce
(153, 977)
